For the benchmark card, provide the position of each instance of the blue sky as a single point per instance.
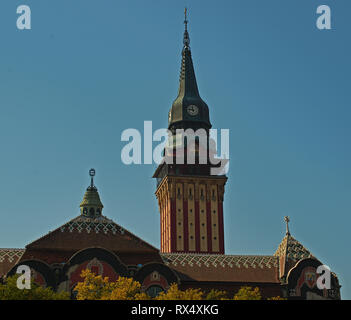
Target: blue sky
(90, 69)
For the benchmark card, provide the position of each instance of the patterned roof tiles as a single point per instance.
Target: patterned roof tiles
(90, 225)
(292, 249)
(223, 268)
(11, 255)
(219, 261)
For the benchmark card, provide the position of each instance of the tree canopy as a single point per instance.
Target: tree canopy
(9, 291)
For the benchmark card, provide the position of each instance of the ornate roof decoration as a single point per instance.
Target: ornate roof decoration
(91, 206)
(219, 261)
(99, 224)
(11, 255)
(292, 249)
(91, 198)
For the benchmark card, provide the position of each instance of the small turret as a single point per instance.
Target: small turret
(91, 206)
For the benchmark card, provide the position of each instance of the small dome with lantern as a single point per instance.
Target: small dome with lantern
(91, 206)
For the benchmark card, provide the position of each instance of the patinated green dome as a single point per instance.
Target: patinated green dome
(91, 198)
(91, 206)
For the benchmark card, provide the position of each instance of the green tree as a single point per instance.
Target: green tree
(217, 295)
(95, 287)
(277, 298)
(9, 291)
(174, 293)
(248, 293)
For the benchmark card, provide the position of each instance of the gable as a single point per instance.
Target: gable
(82, 232)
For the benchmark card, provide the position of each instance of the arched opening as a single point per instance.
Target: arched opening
(153, 291)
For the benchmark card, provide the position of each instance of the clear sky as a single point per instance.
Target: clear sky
(90, 69)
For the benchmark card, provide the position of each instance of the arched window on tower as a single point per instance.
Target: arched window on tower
(91, 212)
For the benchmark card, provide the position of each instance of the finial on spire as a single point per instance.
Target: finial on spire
(92, 175)
(287, 220)
(186, 39)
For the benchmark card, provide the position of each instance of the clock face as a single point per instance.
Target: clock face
(193, 110)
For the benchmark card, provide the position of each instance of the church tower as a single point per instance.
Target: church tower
(190, 198)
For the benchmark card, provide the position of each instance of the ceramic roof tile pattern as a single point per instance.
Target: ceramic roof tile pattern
(11, 255)
(82, 232)
(8, 258)
(292, 249)
(91, 225)
(232, 268)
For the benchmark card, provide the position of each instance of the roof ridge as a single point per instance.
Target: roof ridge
(215, 254)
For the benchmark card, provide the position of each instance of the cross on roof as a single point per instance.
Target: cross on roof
(287, 220)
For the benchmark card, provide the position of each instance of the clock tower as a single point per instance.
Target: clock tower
(190, 198)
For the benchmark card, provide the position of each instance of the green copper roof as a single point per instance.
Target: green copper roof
(91, 206)
(292, 249)
(91, 199)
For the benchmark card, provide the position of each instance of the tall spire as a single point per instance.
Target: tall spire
(287, 220)
(186, 40)
(188, 109)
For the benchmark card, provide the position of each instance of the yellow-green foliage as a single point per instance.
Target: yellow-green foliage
(248, 293)
(277, 298)
(174, 293)
(98, 288)
(9, 291)
(217, 295)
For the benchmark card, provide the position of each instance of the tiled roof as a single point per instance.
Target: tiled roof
(92, 225)
(233, 268)
(219, 260)
(292, 249)
(11, 255)
(8, 258)
(83, 232)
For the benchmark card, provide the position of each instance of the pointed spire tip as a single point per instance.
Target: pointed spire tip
(92, 173)
(186, 40)
(287, 220)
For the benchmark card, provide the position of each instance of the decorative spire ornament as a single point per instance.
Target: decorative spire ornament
(91, 206)
(186, 39)
(287, 220)
(92, 175)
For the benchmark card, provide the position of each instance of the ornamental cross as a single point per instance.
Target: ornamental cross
(287, 220)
